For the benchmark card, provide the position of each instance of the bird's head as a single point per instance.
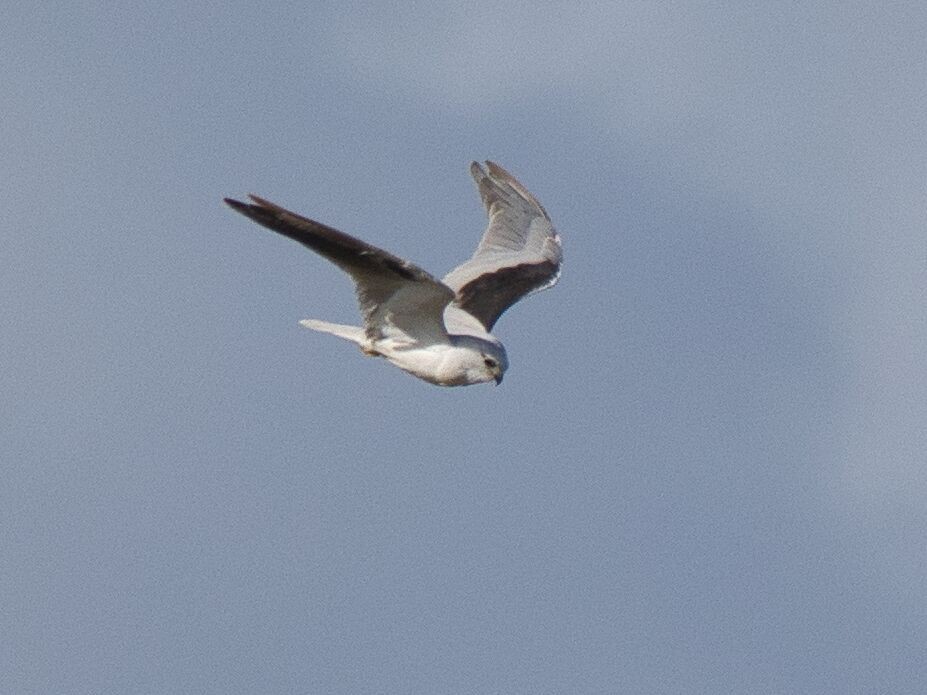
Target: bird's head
(494, 365)
(476, 361)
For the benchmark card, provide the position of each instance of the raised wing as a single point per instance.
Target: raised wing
(393, 293)
(519, 253)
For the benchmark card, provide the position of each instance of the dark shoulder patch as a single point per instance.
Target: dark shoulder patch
(489, 295)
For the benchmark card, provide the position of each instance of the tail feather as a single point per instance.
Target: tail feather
(355, 334)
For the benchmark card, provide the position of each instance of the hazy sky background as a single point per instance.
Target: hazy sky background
(705, 471)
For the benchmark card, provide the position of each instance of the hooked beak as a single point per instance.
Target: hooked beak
(498, 378)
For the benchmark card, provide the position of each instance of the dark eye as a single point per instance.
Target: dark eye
(489, 362)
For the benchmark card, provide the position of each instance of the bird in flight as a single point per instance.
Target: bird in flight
(437, 330)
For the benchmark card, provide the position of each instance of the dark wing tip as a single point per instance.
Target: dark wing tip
(273, 217)
(257, 201)
(498, 171)
(261, 202)
(250, 210)
(495, 179)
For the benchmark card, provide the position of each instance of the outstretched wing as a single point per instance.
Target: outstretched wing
(393, 293)
(519, 253)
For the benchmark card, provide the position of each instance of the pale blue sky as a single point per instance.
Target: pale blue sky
(705, 471)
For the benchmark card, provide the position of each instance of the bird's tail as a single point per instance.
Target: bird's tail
(353, 333)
